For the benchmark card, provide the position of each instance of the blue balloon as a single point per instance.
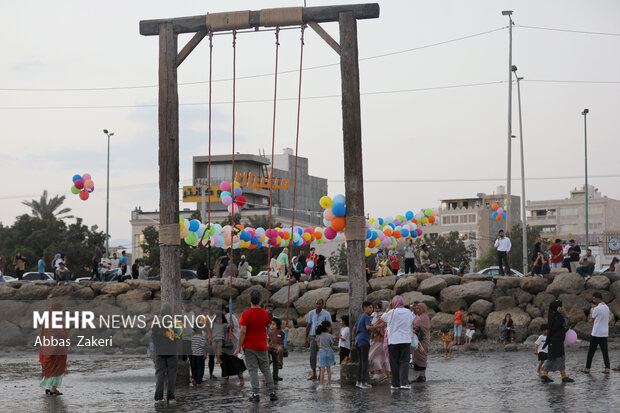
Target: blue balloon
(339, 199)
(339, 210)
(194, 224)
(503, 215)
(494, 214)
(380, 220)
(199, 233)
(405, 232)
(374, 235)
(392, 225)
(310, 264)
(414, 234)
(77, 177)
(368, 234)
(409, 215)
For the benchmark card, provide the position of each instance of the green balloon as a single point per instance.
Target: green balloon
(505, 202)
(249, 268)
(74, 190)
(191, 238)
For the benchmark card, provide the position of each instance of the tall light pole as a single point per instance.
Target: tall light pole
(107, 201)
(585, 140)
(508, 175)
(523, 226)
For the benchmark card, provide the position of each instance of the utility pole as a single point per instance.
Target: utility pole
(585, 140)
(523, 226)
(107, 200)
(508, 175)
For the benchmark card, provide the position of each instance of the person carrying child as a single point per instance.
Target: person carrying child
(198, 356)
(325, 342)
(539, 350)
(446, 337)
(276, 346)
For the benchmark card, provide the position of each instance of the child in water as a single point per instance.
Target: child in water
(540, 351)
(325, 341)
(446, 337)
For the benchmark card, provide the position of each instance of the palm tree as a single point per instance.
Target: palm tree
(46, 209)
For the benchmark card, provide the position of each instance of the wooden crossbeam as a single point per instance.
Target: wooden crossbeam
(325, 36)
(319, 14)
(190, 46)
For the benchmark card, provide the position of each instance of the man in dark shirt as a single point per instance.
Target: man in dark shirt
(166, 338)
(96, 260)
(574, 252)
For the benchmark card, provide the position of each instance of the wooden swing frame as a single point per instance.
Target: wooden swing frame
(170, 59)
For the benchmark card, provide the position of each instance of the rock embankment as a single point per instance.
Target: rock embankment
(488, 298)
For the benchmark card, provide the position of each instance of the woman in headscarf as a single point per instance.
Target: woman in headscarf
(422, 327)
(242, 268)
(231, 365)
(296, 269)
(398, 320)
(53, 354)
(378, 361)
(556, 358)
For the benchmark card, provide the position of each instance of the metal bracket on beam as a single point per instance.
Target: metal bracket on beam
(325, 36)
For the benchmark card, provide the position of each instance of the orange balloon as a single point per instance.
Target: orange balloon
(318, 234)
(499, 217)
(415, 221)
(286, 235)
(387, 231)
(397, 234)
(338, 223)
(495, 206)
(371, 243)
(431, 219)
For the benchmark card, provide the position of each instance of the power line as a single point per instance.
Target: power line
(567, 30)
(252, 76)
(572, 81)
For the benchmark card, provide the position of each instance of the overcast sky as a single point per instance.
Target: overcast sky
(444, 134)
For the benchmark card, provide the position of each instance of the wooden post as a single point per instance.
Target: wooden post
(169, 239)
(353, 172)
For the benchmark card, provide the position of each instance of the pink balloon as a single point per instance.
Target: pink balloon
(79, 184)
(233, 209)
(308, 270)
(88, 184)
(327, 214)
(86, 177)
(227, 200)
(225, 186)
(571, 337)
(419, 231)
(330, 233)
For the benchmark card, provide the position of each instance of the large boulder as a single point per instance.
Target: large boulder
(598, 282)
(416, 296)
(452, 306)
(614, 307)
(588, 295)
(521, 296)
(572, 300)
(340, 287)
(138, 294)
(6, 292)
(33, 291)
(243, 301)
(380, 295)
(504, 303)
(281, 298)
(223, 292)
(467, 278)
(84, 293)
(241, 283)
(297, 337)
(337, 301)
(533, 285)
(575, 315)
(115, 288)
(320, 283)
(614, 288)
(520, 318)
(583, 330)
(406, 284)
(481, 307)
(469, 292)
(61, 291)
(145, 284)
(506, 283)
(533, 311)
(280, 312)
(535, 325)
(307, 301)
(11, 335)
(381, 283)
(613, 277)
(441, 321)
(432, 286)
(566, 283)
(543, 300)
(450, 279)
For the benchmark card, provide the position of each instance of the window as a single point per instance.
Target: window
(594, 226)
(547, 228)
(450, 219)
(468, 219)
(567, 228)
(567, 212)
(595, 210)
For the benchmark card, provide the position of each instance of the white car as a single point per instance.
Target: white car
(7, 278)
(33, 276)
(494, 271)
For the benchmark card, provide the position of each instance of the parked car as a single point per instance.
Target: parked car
(494, 271)
(185, 275)
(7, 278)
(108, 276)
(32, 276)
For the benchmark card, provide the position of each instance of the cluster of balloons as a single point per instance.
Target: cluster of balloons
(499, 213)
(389, 231)
(334, 215)
(309, 267)
(232, 196)
(82, 185)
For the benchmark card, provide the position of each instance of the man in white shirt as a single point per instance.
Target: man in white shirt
(410, 257)
(503, 245)
(599, 315)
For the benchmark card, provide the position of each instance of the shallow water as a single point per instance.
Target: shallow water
(469, 382)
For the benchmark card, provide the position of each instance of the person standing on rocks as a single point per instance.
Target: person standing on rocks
(556, 360)
(97, 255)
(599, 315)
(313, 319)
(425, 258)
(574, 251)
(556, 252)
(253, 341)
(410, 257)
(503, 245)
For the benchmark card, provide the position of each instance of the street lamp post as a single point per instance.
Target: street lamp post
(585, 139)
(523, 226)
(107, 202)
(509, 166)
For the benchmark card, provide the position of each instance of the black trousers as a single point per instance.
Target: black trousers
(409, 265)
(594, 342)
(502, 256)
(362, 365)
(211, 363)
(197, 363)
(275, 362)
(399, 363)
(344, 352)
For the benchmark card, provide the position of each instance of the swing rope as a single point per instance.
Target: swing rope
(273, 142)
(301, 61)
(232, 183)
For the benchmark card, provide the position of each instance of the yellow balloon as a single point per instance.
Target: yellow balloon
(181, 225)
(425, 220)
(326, 202)
(236, 185)
(367, 252)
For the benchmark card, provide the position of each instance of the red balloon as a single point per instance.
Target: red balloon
(84, 195)
(79, 184)
(240, 201)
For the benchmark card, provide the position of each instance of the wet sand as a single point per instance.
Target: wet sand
(469, 382)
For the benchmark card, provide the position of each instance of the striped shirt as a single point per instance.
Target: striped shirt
(198, 344)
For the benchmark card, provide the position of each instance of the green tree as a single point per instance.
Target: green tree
(516, 258)
(449, 248)
(46, 209)
(338, 260)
